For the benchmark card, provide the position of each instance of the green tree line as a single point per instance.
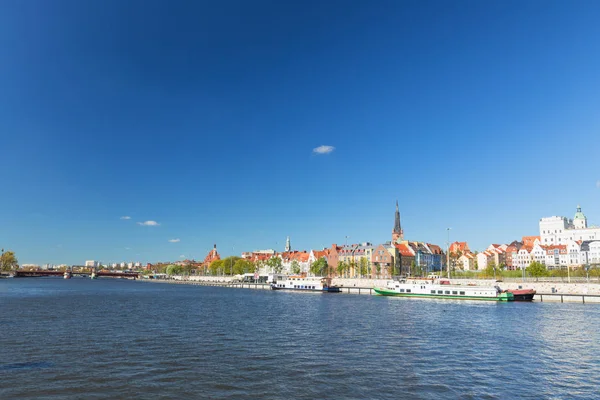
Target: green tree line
(8, 261)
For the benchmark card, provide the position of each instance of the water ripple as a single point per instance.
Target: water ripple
(121, 339)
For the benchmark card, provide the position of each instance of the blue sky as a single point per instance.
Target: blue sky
(203, 117)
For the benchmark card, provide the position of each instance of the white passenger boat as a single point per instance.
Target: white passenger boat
(442, 289)
(307, 284)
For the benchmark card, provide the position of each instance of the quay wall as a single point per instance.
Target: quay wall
(540, 287)
(546, 291)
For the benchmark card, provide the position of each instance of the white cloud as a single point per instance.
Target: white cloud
(149, 223)
(323, 149)
(182, 256)
(126, 217)
(174, 240)
(598, 184)
(127, 248)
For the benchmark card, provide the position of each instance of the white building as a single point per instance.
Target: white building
(482, 259)
(467, 262)
(538, 252)
(92, 263)
(498, 252)
(557, 256)
(559, 230)
(300, 257)
(590, 253)
(523, 258)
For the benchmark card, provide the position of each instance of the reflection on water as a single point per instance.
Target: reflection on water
(107, 338)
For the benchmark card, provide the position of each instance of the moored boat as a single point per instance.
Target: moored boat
(442, 290)
(306, 284)
(522, 294)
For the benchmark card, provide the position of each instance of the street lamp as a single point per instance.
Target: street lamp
(587, 272)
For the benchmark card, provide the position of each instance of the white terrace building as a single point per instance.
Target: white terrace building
(467, 262)
(523, 258)
(483, 259)
(559, 230)
(589, 253)
(572, 254)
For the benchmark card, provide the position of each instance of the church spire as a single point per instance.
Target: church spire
(397, 232)
(288, 246)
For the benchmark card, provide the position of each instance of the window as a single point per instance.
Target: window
(462, 293)
(433, 292)
(454, 292)
(447, 292)
(407, 290)
(401, 290)
(440, 292)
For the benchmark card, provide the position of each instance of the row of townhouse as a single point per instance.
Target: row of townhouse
(363, 259)
(426, 256)
(575, 253)
(520, 254)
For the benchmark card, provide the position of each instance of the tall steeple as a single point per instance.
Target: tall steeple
(397, 233)
(288, 247)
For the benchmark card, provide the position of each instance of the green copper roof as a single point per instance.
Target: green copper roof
(579, 214)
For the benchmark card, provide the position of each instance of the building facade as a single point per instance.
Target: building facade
(558, 230)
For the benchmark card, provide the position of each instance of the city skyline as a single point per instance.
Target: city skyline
(242, 124)
(292, 248)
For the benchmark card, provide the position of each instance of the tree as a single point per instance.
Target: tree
(8, 261)
(364, 266)
(490, 270)
(352, 268)
(537, 269)
(341, 267)
(275, 264)
(318, 267)
(174, 270)
(295, 267)
(228, 264)
(413, 268)
(215, 267)
(258, 265)
(243, 266)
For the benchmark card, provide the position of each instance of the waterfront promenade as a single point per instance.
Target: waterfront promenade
(546, 291)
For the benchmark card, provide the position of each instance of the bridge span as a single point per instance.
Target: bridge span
(38, 273)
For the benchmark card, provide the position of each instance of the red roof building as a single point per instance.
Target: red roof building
(212, 255)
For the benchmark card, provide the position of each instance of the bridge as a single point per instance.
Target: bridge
(99, 274)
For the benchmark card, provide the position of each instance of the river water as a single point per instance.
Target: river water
(121, 339)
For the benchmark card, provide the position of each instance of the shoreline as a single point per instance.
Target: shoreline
(545, 291)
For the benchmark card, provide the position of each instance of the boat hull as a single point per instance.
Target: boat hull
(324, 290)
(387, 292)
(523, 294)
